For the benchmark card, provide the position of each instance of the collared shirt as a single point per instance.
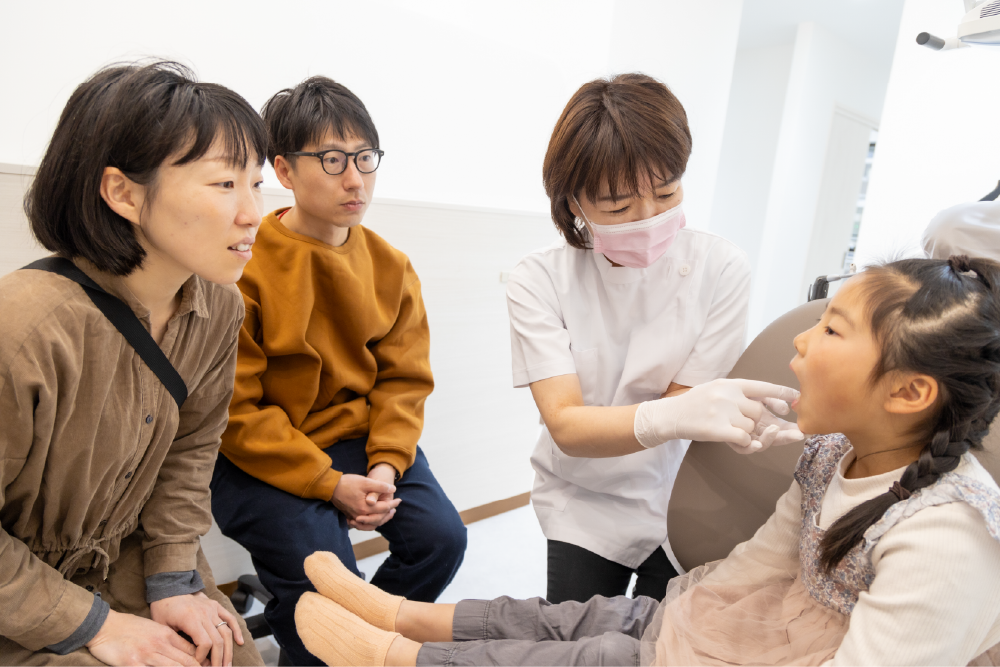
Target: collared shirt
(627, 333)
(92, 445)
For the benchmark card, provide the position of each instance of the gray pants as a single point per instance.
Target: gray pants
(601, 631)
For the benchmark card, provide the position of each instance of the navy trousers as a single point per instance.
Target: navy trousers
(426, 536)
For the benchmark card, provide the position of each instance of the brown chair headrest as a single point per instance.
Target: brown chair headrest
(720, 497)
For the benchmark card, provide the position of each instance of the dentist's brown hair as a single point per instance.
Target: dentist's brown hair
(614, 132)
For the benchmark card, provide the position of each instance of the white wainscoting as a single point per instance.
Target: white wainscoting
(478, 431)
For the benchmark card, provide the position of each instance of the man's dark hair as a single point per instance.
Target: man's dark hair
(135, 118)
(299, 116)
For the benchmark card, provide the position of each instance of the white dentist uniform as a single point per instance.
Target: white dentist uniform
(627, 333)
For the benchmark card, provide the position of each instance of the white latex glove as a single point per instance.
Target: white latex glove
(721, 411)
(770, 429)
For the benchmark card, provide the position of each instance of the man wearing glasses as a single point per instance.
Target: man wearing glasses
(332, 376)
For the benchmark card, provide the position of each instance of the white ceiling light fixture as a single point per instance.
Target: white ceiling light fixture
(979, 26)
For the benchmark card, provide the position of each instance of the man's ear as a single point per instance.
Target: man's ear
(122, 195)
(910, 393)
(283, 170)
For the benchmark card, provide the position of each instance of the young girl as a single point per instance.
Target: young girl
(150, 185)
(883, 551)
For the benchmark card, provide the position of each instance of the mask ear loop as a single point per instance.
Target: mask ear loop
(586, 223)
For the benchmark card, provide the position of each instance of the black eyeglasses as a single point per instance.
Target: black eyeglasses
(335, 162)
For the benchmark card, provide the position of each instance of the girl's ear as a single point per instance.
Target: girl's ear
(122, 195)
(910, 393)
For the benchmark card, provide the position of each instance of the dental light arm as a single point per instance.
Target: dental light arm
(820, 288)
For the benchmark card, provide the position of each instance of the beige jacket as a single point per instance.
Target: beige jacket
(92, 445)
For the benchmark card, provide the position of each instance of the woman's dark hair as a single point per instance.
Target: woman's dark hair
(940, 318)
(299, 116)
(134, 118)
(613, 131)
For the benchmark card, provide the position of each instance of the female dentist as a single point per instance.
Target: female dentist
(622, 329)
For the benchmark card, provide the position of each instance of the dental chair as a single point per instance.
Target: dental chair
(721, 498)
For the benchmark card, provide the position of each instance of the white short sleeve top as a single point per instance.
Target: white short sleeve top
(627, 334)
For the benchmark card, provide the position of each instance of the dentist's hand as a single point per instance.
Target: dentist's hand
(770, 429)
(729, 411)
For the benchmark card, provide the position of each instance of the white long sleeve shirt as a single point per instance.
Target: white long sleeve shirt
(935, 599)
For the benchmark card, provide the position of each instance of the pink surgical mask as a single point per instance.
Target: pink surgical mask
(636, 244)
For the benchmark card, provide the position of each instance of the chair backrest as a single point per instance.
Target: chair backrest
(721, 498)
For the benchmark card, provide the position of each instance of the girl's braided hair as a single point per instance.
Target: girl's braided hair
(940, 318)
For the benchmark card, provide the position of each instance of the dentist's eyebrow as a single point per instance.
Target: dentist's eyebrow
(662, 184)
(609, 198)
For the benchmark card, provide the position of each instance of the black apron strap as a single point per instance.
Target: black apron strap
(120, 315)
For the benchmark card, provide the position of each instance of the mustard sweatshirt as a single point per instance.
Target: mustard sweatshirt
(335, 345)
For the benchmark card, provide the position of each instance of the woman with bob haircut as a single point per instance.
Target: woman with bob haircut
(621, 329)
(150, 186)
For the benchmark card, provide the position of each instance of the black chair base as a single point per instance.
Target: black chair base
(248, 587)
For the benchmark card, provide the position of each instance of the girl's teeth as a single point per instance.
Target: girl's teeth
(243, 246)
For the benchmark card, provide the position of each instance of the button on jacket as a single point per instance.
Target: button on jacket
(92, 446)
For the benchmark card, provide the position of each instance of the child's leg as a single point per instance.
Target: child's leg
(419, 621)
(338, 637)
(601, 631)
(503, 618)
(538, 620)
(612, 648)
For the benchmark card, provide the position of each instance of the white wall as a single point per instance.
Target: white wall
(753, 124)
(491, 78)
(939, 144)
(839, 195)
(826, 72)
(691, 46)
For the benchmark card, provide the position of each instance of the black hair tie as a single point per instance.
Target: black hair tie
(897, 490)
(962, 265)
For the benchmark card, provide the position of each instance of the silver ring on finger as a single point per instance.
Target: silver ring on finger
(221, 624)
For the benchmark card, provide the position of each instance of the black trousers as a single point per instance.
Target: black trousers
(578, 574)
